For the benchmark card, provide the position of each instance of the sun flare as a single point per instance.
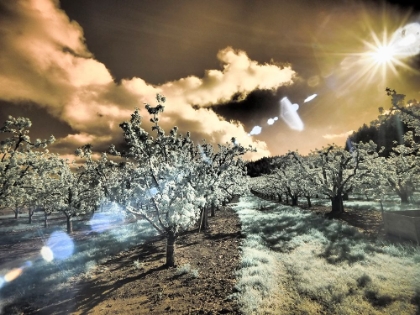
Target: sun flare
(384, 54)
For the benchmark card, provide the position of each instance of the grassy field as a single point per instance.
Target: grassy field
(295, 262)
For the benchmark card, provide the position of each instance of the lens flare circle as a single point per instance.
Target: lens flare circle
(13, 274)
(47, 253)
(60, 245)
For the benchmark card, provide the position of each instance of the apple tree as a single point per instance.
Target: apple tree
(159, 171)
(335, 171)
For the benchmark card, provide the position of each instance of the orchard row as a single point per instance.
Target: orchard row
(167, 180)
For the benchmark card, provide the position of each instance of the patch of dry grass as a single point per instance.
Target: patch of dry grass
(314, 266)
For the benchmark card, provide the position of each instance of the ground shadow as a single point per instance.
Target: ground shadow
(341, 242)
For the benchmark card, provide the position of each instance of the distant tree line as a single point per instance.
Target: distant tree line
(265, 165)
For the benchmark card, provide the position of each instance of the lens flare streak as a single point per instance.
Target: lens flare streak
(310, 98)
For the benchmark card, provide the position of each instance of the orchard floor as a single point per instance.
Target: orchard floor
(120, 286)
(367, 222)
(135, 282)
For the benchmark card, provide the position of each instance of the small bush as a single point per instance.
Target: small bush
(186, 269)
(138, 264)
(363, 281)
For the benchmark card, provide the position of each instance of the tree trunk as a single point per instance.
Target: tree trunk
(337, 206)
(204, 222)
(294, 200)
(45, 220)
(170, 249)
(279, 197)
(30, 214)
(69, 225)
(16, 213)
(308, 199)
(346, 196)
(212, 210)
(404, 197)
(287, 199)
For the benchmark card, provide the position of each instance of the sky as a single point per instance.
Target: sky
(78, 68)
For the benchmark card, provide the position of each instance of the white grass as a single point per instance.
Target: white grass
(294, 262)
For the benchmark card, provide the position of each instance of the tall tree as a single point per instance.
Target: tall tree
(159, 171)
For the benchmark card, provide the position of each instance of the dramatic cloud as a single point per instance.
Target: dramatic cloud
(341, 135)
(45, 60)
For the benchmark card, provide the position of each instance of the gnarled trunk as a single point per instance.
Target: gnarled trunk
(337, 206)
(170, 249)
(404, 196)
(294, 200)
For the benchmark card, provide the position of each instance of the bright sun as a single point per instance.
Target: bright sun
(390, 52)
(383, 54)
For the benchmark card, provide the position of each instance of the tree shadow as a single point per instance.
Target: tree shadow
(89, 293)
(40, 277)
(97, 293)
(378, 300)
(223, 236)
(416, 300)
